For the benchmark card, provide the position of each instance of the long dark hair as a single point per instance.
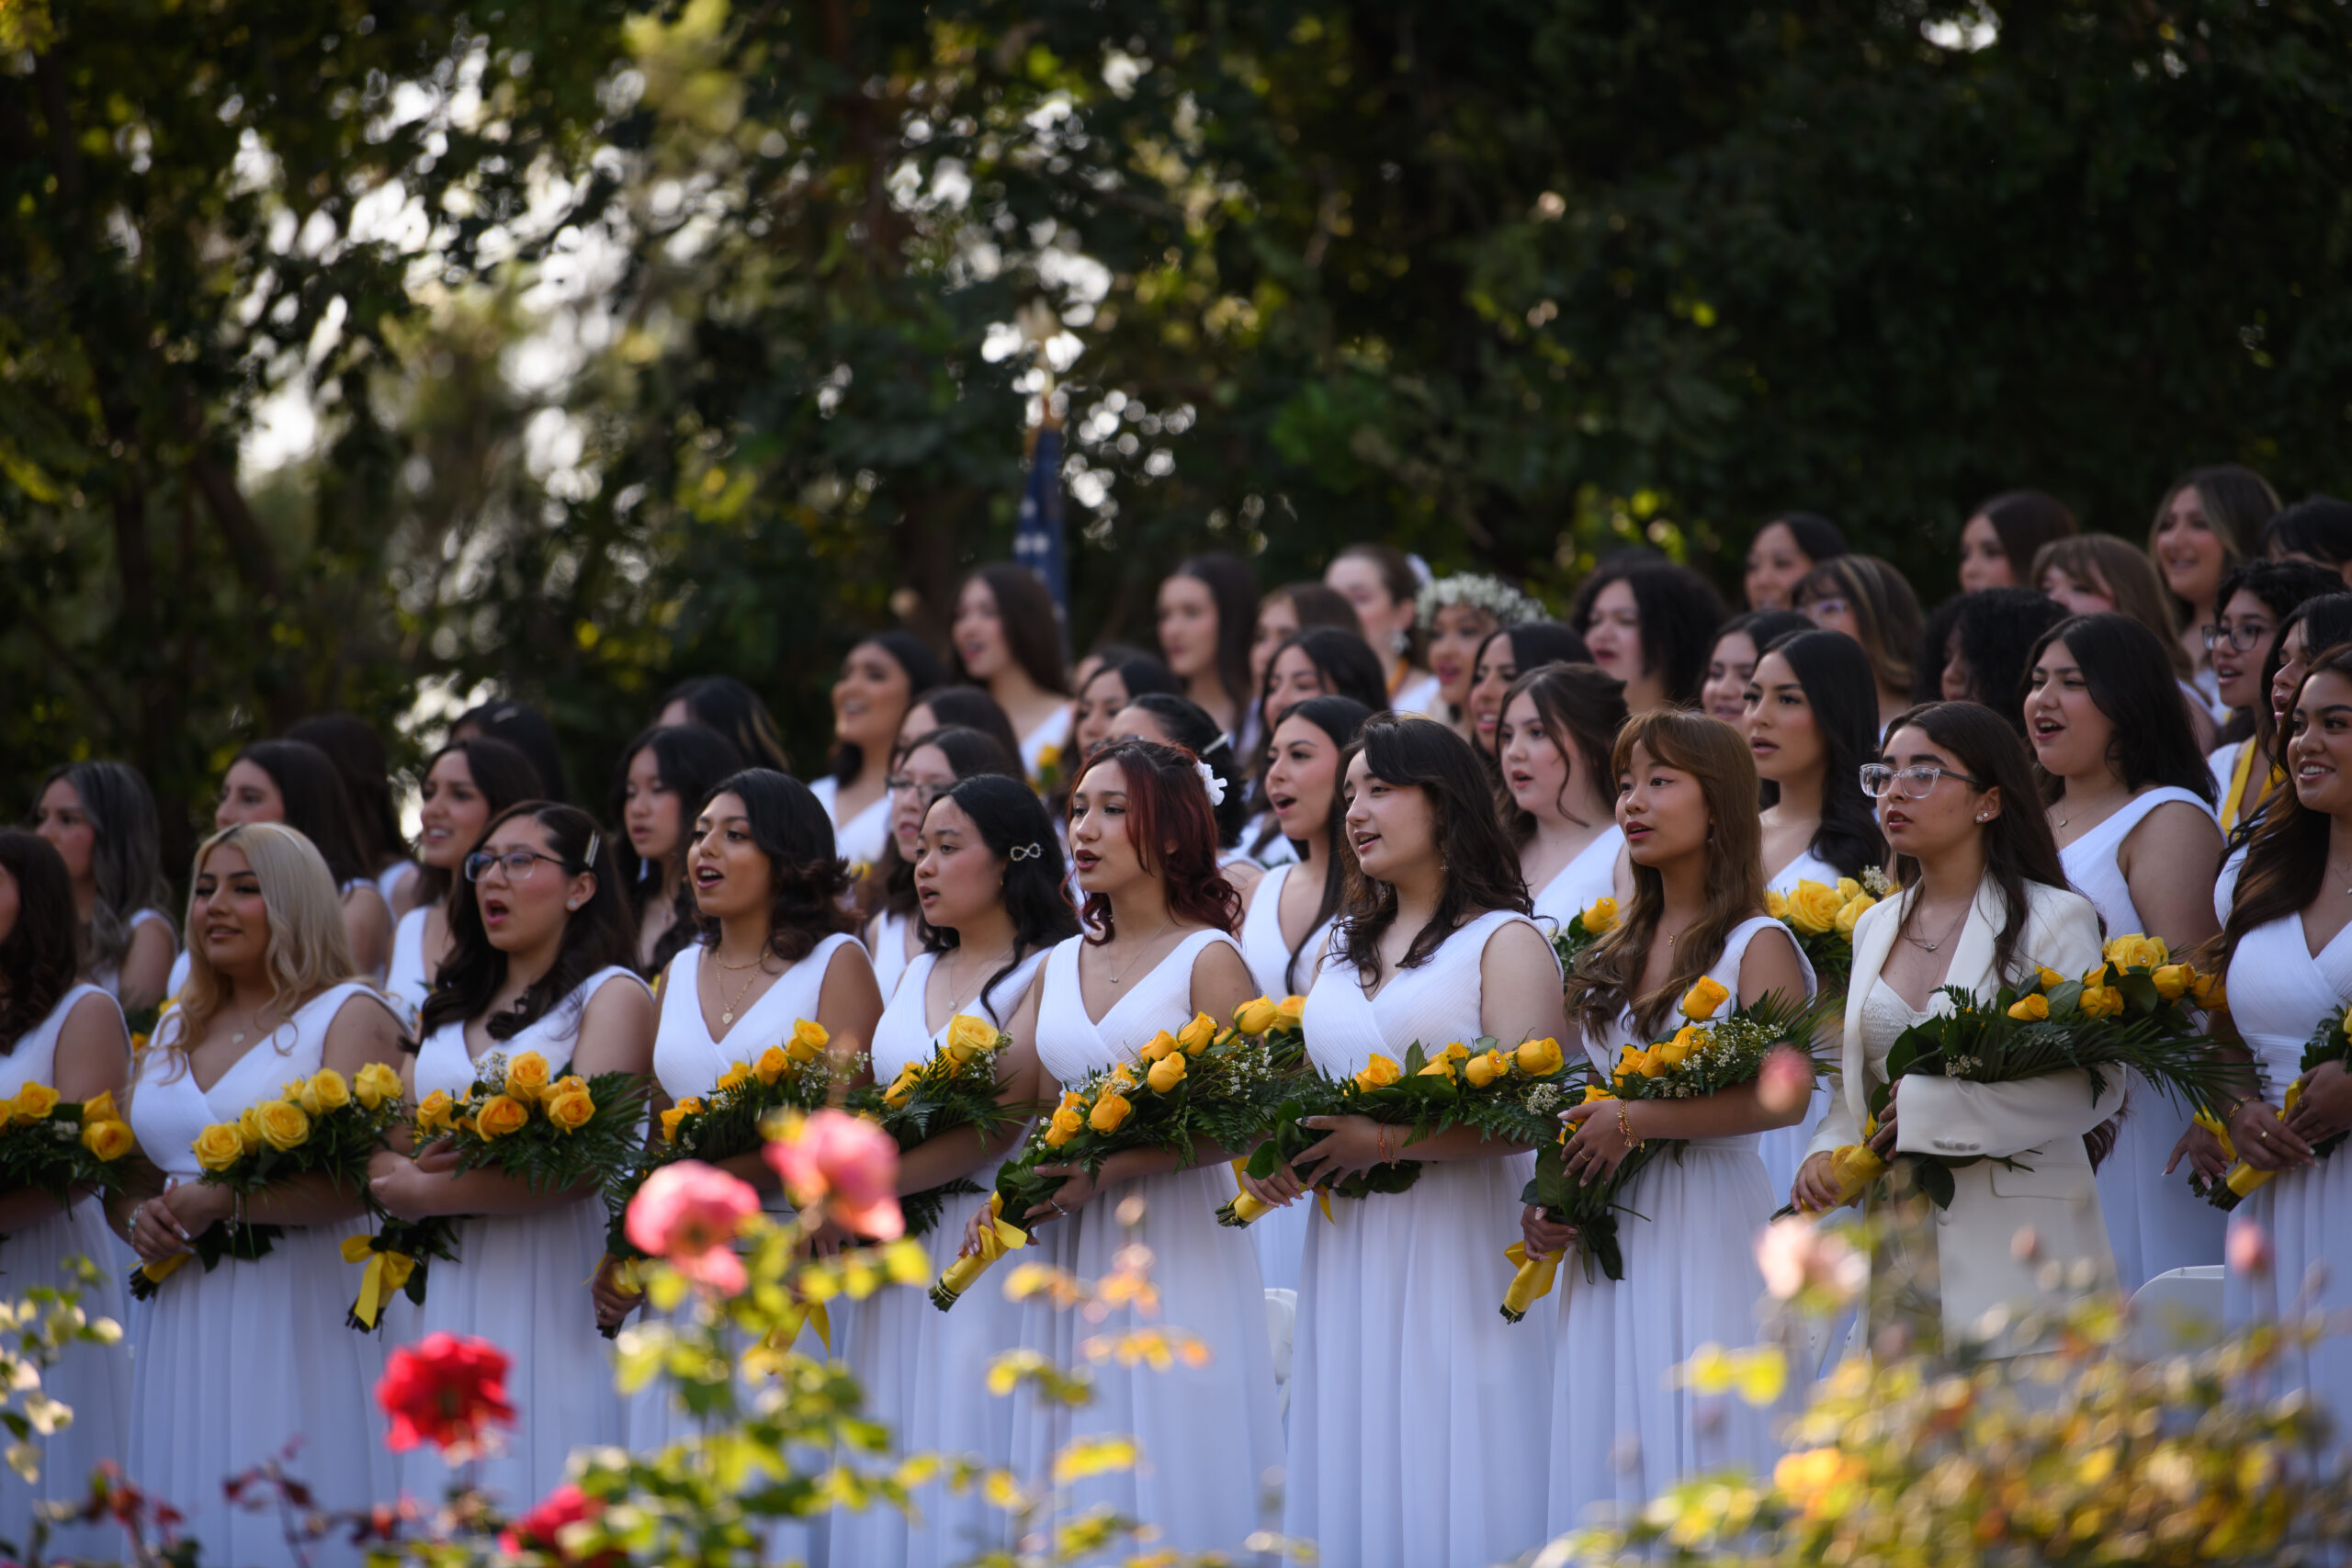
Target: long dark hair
(597, 936)
(1480, 868)
(1817, 537)
(2018, 847)
(1583, 708)
(2285, 858)
(691, 758)
(502, 776)
(2318, 527)
(39, 957)
(2024, 521)
(1187, 724)
(317, 806)
(1342, 718)
(1167, 806)
(2130, 683)
(970, 754)
(971, 707)
(1839, 684)
(358, 755)
(1996, 626)
(808, 883)
(1033, 627)
(723, 703)
(126, 857)
(1234, 589)
(1011, 818)
(916, 662)
(527, 729)
(2282, 586)
(1680, 611)
(1346, 662)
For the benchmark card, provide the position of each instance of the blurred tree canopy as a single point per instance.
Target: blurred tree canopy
(652, 343)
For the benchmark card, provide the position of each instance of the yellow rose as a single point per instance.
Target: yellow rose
(1593, 1092)
(1122, 1076)
(1457, 1053)
(2101, 1001)
(329, 1087)
(1256, 1017)
(2172, 980)
(2031, 1010)
(902, 1088)
(1064, 1127)
(292, 1093)
(1109, 1110)
(1167, 1073)
(969, 1037)
(570, 1109)
(772, 1065)
(1196, 1035)
(571, 1083)
(734, 1075)
(1848, 888)
(501, 1115)
(1438, 1066)
(376, 1085)
(2137, 951)
(1776, 905)
(7, 1111)
(108, 1139)
(1700, 1002)
(433, 1112)
(1073, 1101)
(1293, 1009)
(670, 1120)
(1812, 908)
(1600, 917)
(99, 1107)
(283, 1126)
(809, 1040)
(2210, 993)
(526, 1077)
(249, 1126)
(2051, 978)
(1486, 1068)
(1160, 1044)
(1653, 1065)
(35, 1101)
(1856, 907)
(1379, 1073)
(1539, 1058)
(219, 1146)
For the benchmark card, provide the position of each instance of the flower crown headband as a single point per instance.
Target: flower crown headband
(1509, 606)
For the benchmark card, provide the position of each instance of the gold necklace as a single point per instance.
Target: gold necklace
(727, 1008)
(756, 963)
(1121, 977)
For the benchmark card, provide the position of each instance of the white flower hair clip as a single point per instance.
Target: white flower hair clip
(1211, 783)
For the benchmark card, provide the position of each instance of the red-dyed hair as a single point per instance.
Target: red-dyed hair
(1168, 804)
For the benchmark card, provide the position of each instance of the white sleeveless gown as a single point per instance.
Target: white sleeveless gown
(405, 982)
(926, 1371)
(890, 955)
(92, 1380)
(1591, 874)
(521, 1281)
(1281, 1236)
(2153, 1222)
(235, 1364)
(1208, 1434)
(1621, 1432)
(1782, 1148)
(1418, 1415)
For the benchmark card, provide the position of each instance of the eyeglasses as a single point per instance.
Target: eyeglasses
(1817, 608)
(1910, 783)
(2244, 637)
(925, 792)
(517, 862)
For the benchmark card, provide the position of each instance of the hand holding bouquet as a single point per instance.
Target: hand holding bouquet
(956, 1090)
(2331, 1041)
(60, 1146)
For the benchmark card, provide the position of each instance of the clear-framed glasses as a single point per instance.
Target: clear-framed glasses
(924, 793)
(1914, 782)
(2244, 637)
(517, 863)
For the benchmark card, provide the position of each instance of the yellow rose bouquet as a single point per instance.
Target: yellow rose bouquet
(60, 1146)
(1707, 1054)
(2331, 1041)
(1199, 1085)
(956, 1090)
(1585, 927)
(323, 1125)
(1821, 917)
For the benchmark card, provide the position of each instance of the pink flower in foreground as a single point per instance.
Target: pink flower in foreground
(1786, 1081)
(690, 1215)
(1795, 1255)
(2248, 1250)
(847, 1163)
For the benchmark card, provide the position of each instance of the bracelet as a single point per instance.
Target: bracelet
(1625, 1130)
(1380, 1142)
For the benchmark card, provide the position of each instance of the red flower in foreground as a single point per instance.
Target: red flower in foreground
(539, 1530)
(444, 1390)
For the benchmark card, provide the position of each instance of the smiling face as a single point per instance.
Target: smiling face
(226, 913)
(1982, 562)
(2070, 734)
(1277, 621)
(1099, 702)
(730, 875)
(1946, 815)
(1662, 809)
(1615, 637)
(1730, 664)
(1490, 678)
(923, 777)
(1302, 766)
(525, 911)
(651, 809)
(1537, 764)
(1455, 632)
(248, 795)
(2237, 671)
(1783, 734)
(1188, 627)
(2187, 551)
(2294, 658)
(59, 818)
(2080, 595)
(2319, 752)
(1099, 845)
(1292, 679)
(1775, 566)
(958, 879)
(1392, 828)
(452, 815)
(979, 632)
(869, 699)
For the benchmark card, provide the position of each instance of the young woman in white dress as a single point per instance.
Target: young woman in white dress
(990, 879)
(2255, 599)
(1983, 903)
(2289, 967)
(1207, 609)
(1166, 719)
(294, 782)
(1458, 615)
(1621, 1430)
(879, 680)
(466, 784)
(101, 818)
(1007, 638)
(1158, 950)
(2131, 807)
(926, 769)
(1552, 745)
(1651, 624)
(71, 1038)
(1418, 1423)
(1810, 714)
(540, 962)
(666, 772)
(1287, 915)
(236, 1363)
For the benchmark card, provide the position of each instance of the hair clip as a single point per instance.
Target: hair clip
(594, 842)
(1211, 783)
(1023, 851)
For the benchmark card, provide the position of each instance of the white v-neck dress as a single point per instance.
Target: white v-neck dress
(925, 1373)
(92, 1380)
(2153, 1222)
(862, 839)
(1591, 874)
(1417, 1417)
(1208, 1434)
(235, 1364)
(1621, 1433)
(521, 1282)
(1281, 1236)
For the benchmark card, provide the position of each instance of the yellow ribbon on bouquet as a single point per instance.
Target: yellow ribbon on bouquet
(1530, 1284)
(997, 1238)
(2242, 1178)
(387, 1274)
(163, 1269)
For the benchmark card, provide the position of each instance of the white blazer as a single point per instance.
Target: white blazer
(2039, 1122)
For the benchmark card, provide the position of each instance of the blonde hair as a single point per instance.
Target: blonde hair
(307, 950)
(2122, 570)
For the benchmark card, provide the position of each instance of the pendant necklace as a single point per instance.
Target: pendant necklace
(1146, 944)
(727, 1008)
(1949, 930)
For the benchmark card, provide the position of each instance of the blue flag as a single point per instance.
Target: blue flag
(1037, 537)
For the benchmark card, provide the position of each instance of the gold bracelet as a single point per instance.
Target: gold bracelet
(1625, 1130)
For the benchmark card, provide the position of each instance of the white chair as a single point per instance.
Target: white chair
(2177, 1313)
(1281, 1321)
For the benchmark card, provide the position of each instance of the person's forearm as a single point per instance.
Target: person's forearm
(300, 1201)
(951, 1156)
(24, 1207)
(1728, 1114)
(1454, 1143)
